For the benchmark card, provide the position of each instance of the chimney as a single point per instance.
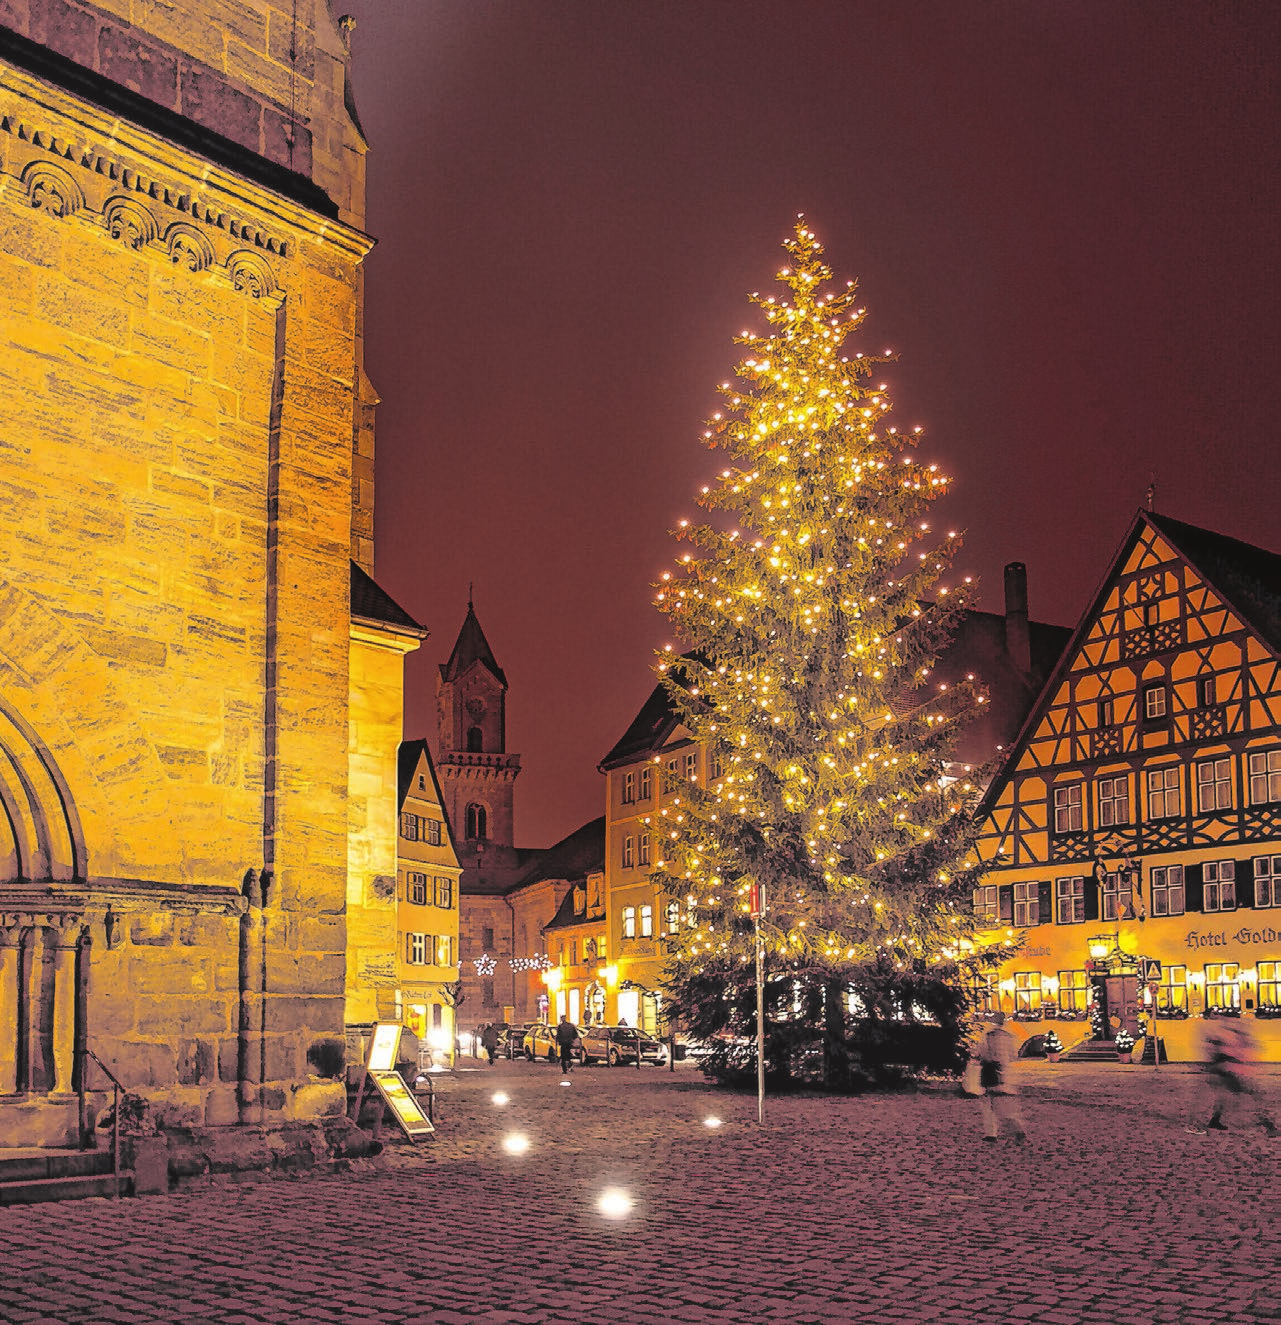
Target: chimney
(1018, 639)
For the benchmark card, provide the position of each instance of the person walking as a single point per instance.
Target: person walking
(1231, 1057)
(1000, 1097)
(489, 1039)
(566, 1035)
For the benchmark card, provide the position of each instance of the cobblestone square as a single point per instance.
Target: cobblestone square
(880, 1209)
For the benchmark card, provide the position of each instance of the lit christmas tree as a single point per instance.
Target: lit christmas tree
(814, 607)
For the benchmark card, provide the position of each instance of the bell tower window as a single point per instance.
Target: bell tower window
(477, 823)
(475, 740)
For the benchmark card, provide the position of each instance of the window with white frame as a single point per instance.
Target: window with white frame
(433, 832)
(1069, 900)
(985, 905)
(1172, 992)
(1154, 703)
(1068, 811)
(1074, 993)
(986, 993)
(1265, 777)
(629, 851)
(1164, 800)
(1114, 801)
(646, 783)
(1270, 985)
(672, 917)
(1213, 785)
(1027, 993)
(647, 922)
(1027, 904)
(1223, 986)
(629, 922)
(416, 889)
(416, 949)
(629, 787)
(444, 891)
(1111, 888)
(1220, 885)
(691, 765)
(1267, 880)
(1168, 895)
(642, 844)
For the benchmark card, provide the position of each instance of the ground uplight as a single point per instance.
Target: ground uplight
(516, 1144)
(614, 1203)
(499, 1097)
(711, 1122)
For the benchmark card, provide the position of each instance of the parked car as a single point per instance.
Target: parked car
(540, 1042)
(512, 1043)
(619, 1044)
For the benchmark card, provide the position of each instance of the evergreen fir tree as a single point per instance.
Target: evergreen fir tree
(813, 606)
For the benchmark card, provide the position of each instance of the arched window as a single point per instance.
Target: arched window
(477, 823)
(475, 741)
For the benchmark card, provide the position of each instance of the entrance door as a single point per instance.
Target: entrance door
(1121, 1006)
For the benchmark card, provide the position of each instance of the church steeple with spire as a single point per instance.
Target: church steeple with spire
(477, 775)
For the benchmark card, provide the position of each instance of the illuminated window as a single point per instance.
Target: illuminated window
(647, 922)
(1172, 994)
(986, 993)
(416, 949)
(1114, 801)
(1154, 703)
(1168, 896)
(1223, 986)
(629, 851)
(444, 950)
(1068, 816)
(672, 917)
(646, 782)
(642, 846)
(444, 891)
(433, 832)
(691, 765)
(1069, 900)
(602, 948)
(1265, 777)
(409, 827)
(1027, 904)
(1213, 785)
(1220, 886)
(629, 788)
(1270, 984)
(416, 889)
(629, 922)
(1027, 993)
(985, 904)
(1164, 800)
(1074, 993)
(477, 823)
(1267, 880)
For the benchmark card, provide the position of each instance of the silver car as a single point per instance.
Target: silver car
(621, 1044)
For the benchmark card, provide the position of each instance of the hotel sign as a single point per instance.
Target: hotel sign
(1246, 935)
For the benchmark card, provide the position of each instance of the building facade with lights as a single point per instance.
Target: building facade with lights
(1133, 836)
(1009, 655)
(186, 681)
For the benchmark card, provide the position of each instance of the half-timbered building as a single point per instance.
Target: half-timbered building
(1133, 834)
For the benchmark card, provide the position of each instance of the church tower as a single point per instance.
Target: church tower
(477, 775)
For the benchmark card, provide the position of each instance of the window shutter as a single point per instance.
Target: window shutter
(1091, 897)
(1005, 902)
(1045, 901)
(1245, 883)
(1194, 887)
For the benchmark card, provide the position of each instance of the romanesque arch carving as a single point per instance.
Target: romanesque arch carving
(188, 247)
(129, 222)
(250, 275)
(44, 838)
(52, 189)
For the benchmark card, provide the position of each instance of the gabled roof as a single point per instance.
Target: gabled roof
(1246, 577)
(407, 757)
(573, 857)
(567, 918)
(379, 608)
(471, 647)
(650, 730)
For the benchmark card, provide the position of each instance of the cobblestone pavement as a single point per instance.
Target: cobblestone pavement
(839, 1210)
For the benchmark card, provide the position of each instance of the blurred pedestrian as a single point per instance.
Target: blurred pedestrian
(489, 1039)
(566, 1037)
(1231, 1067)
(1000, 1098)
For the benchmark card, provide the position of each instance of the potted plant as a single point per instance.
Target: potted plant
(1124, 1045)
(1052, 1045)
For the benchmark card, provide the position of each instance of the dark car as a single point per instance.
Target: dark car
(621, 1044)
(511, 1043)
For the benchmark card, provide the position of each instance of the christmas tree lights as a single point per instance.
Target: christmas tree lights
(813, 606)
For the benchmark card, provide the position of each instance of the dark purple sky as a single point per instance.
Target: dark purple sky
(1063, 217)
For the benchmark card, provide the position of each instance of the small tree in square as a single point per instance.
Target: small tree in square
(812, 604)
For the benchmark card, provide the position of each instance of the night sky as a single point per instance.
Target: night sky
(1063, 218)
